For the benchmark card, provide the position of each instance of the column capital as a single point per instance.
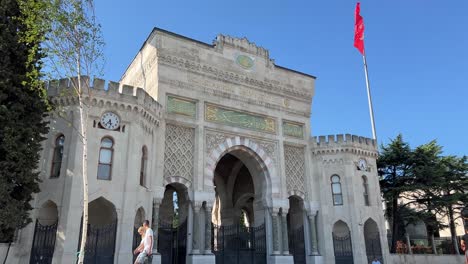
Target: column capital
(157, 201)
(312, 213)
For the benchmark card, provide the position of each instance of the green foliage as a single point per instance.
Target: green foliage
(421, 185)
(23, 109)
(74, 44)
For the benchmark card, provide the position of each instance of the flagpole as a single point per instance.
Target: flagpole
(369, 97)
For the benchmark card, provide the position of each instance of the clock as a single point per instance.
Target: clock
(110, 120)
(362, 164)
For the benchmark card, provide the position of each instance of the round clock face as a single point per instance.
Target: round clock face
(110, 121)
(362, 164)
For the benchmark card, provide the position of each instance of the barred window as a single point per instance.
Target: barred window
(105, 159)
(144, 161)
(57, 157)
(366, 190)
(336, 190)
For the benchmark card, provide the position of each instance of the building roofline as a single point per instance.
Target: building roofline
(155, 29)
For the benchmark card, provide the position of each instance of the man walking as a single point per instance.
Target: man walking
(147, 244)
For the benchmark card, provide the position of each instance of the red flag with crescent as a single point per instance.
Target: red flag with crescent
(359, 30)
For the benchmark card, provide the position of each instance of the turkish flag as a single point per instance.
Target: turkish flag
(359, 30)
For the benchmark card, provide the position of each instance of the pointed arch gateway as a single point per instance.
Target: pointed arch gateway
(102, 232)
(342, 243)
(240, 172)
(45, 231)
(372, 241)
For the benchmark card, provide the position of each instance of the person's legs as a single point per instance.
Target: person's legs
(142, 257)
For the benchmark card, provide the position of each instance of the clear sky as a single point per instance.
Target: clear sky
(417, 54)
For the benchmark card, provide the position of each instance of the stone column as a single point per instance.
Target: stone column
(284, 229)
(196, 230)
(276, 228)
(208, 234)
(155, 224)
(313, 234)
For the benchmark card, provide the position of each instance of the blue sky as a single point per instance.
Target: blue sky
(417, 54)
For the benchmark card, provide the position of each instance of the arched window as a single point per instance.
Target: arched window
(57, 157)
(366, 190)
(144, 161)
(105, 159)
(336, 190)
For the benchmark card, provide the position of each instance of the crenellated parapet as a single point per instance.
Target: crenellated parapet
(114, 95)
(341, 143)
(242, 44)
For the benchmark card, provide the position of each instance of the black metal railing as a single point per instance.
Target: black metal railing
(43, 245)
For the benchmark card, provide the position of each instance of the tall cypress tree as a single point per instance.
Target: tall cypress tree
(23, 109)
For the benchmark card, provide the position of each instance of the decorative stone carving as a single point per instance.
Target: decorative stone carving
(239, 118)
(294, 161)
(213, 139)
(178, 153)
(181, 106)
(293, 129)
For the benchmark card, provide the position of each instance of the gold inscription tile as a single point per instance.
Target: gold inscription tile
(238, 118)
(181, 106)
(293, 129)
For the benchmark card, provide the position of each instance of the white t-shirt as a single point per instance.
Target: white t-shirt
(148, 241)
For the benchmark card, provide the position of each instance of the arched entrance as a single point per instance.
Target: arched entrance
(239, 211)
(295, 220)
(342, 243)
(102, 230)
(172, 231)
(139, 218)
(45, 232)
(372, 240)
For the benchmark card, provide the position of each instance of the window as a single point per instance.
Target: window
(105, 159)
(57, 157)
(336, 190)
(144, 161)
(366, 190)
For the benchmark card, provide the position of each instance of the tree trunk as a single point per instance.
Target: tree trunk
(84, 161)
(453, 231)
(8, 251)
(395, 224)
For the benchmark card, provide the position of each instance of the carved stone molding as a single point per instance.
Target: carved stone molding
(214, 139)
(217, 73)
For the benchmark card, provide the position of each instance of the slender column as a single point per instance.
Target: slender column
(408, 244)
(208, 229)
(284, 224)
(154, 224)
(313, 234)
(276, 226)
(196, 230)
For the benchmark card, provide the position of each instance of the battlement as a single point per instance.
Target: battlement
(97, 88)
(243, 44)
(343, 140)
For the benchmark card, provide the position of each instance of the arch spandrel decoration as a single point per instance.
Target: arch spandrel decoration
(263, 160)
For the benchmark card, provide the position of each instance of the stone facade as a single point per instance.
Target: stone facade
(221, 124)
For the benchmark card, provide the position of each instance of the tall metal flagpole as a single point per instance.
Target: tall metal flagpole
(369, 98)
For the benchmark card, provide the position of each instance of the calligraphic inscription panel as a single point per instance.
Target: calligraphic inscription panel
(240, 119)
(181, 106)
(293, 129)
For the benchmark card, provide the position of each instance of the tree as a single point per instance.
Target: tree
(453, 188)
(395, 165)
(75, 49)
(23, 109)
